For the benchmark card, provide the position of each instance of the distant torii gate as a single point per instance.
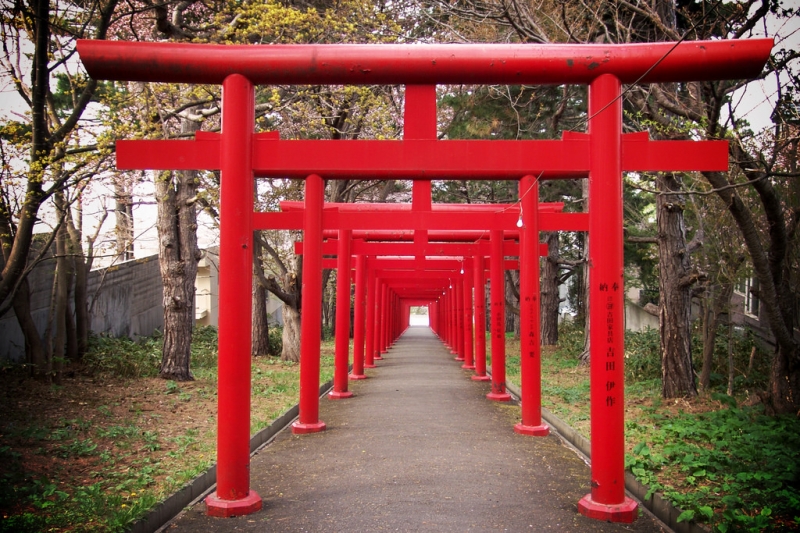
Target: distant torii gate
(240, 153)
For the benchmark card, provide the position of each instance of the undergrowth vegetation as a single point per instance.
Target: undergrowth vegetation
(101, 449)
(718, 458)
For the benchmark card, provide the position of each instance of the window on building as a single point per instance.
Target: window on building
(747, 288)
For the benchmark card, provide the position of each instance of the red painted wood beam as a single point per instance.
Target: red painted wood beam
(440, 226)
(408, 249)
(356, 64)
(425, 159)
(545, 207)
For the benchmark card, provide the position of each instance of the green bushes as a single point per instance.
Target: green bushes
(275, 340)
(734, 468)
(125, 358)
(729, 466)
(642, 355)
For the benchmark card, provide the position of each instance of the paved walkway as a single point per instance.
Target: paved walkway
(418, 448)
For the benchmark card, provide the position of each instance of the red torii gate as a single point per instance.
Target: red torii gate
(240, 153)
(461, 340)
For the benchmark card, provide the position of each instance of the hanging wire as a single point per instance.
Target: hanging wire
(627, 89)
(621, 95)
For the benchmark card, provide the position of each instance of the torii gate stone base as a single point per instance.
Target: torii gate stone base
(240, 154)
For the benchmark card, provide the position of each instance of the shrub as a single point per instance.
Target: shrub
(275, 340)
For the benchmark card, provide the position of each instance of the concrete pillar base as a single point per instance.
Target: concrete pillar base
(301, 428)
(227, 508)
(534, 431)
(335, 395)
(499, 396)
(625, 512)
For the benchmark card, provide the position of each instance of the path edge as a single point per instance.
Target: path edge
(166, 511)
(656, 504)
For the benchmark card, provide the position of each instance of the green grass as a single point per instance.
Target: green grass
(724, 464)
(130, 464)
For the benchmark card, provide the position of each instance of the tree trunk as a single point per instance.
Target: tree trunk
(710, 326)
(34, 349)
(81, 302)
(123, 213)
(260, 329)
(784, 381)
(675, 293)
(585, 357)
(260, 336)
(178, 257)
(549, 291)
(291, 334)
(731, 368)
(328, 303)
(61, 307)
(69, 317)
(81, 266)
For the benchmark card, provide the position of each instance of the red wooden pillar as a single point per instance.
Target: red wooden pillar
(498, 306)
(371, 332)
(384, 318)
(392, 319)
(450, 334)
(469, 362)
(453, 299)
(530, 337)
(342, 344)
(233, 495)
(458, 295)
(311, 323)
(399, 312)
(443, 317)
(607, 500)
(433, 317)
(480, 319)
(359, 318)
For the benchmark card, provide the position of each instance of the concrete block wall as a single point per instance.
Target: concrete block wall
(125, 300)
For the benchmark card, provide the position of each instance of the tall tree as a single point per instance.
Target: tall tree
(178, 256)
(759, 202)
(53, 161)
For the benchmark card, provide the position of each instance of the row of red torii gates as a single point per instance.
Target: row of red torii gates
(415, 255)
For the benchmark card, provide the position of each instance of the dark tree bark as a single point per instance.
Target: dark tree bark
(178, 257)
(512, 302)
(715, 304)
(675, 287)
(288, 292)
(260, 329)
(123, 213)
(34, 349)
(61, 290)
(549, 291)
(291, 334)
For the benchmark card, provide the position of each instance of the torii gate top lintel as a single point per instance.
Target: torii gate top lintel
(356, 64)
